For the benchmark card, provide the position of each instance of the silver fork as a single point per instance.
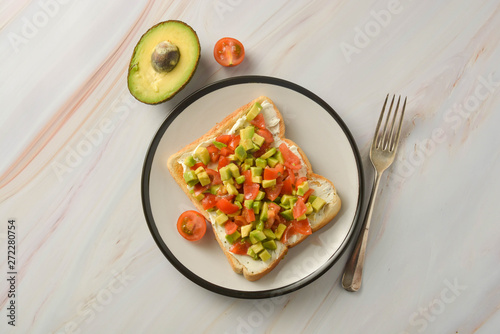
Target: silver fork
(382, 153)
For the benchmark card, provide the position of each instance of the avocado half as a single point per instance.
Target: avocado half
(163, 62)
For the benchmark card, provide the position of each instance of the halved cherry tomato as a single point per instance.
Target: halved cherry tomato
(223, 161)
(291, 160)
(268, 136)
(198, 164)
(302, 227)
(229, 52)
(214, 153)
(191, 225)
(251, 190)
(208, 201)
(225, 139)
(299, 208)
(240, 247)
(259, 121)
(214, 176)
(230, 227)
(226, 206)
(249, 215)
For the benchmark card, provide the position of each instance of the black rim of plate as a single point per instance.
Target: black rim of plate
(148, 161)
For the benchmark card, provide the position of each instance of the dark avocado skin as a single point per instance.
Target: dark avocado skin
(190, 75)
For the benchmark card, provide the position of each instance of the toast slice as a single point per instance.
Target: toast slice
(255, 266)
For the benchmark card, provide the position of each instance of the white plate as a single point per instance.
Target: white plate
(309, 122)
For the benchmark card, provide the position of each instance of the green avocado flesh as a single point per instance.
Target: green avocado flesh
(155, 84)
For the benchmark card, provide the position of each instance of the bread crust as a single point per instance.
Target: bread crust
(329, 211)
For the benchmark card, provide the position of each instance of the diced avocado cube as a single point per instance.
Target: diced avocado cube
(264, 212)
(259, 225)
(190, 175)
(285, 199)
(189, 161)
(257, 205)
(240, 153)
(231, 238)
(268, 183)
(219, 145)
(214, 188)
(238, 204)
(221, 219)
(240, 197)
(193, 183)
(257, 248)
(287, 214)
(269, 233)
(245, 230)
(264, 255)
(256, 179)
(311, 199)
(318, 204)
(247, 133)
(232, 157)
(279, 157)
(225, 173)
(235, 171)
(303, 188)
(248, 203)
(256, 171)
(269, 153)
(245, 167)
(254, 111)
(309, 208)
(204, 178)
(260, 195)
(301, 217)
(279, 231)
(249, 161)
(231, 189)
(258, 139)
(251, 253)
(269, 244)
(252, 239)
(247, 144)
(240, 179)
(272, 162)
(230, 181)
(202, 154)
(199, 197)
(262, 163)
(199, 170)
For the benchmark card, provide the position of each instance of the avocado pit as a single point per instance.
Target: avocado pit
(165, 57)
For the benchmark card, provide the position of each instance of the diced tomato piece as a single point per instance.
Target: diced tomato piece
(273, 192)
(240, 247)
(270, 173)
(226, 151)
(240, 220)
(300, 180)
(235, 141)
(251, 190)
(280, 168)
(225, 139)
(290, 231)
(270, 219)
(230, 227)
(223, 161)
(214, 153)
(261, 150)
(208, 201)
(299, 208)
(302, 227)
(224, 205)
(214, 176)
(291, 160)
(248, 177)
(198, 164)
(249, 215)
(287, 188)
(259, 121)
(291, 175)
(306, 195)
(268, 136)
(199, 189)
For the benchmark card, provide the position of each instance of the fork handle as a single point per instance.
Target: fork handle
(351, 281)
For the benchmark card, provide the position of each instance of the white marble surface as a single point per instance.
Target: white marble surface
(73, 141)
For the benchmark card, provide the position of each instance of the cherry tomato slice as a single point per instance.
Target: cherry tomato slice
(240, 248)
(191, 225)
(230, 227)
(229, 52)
